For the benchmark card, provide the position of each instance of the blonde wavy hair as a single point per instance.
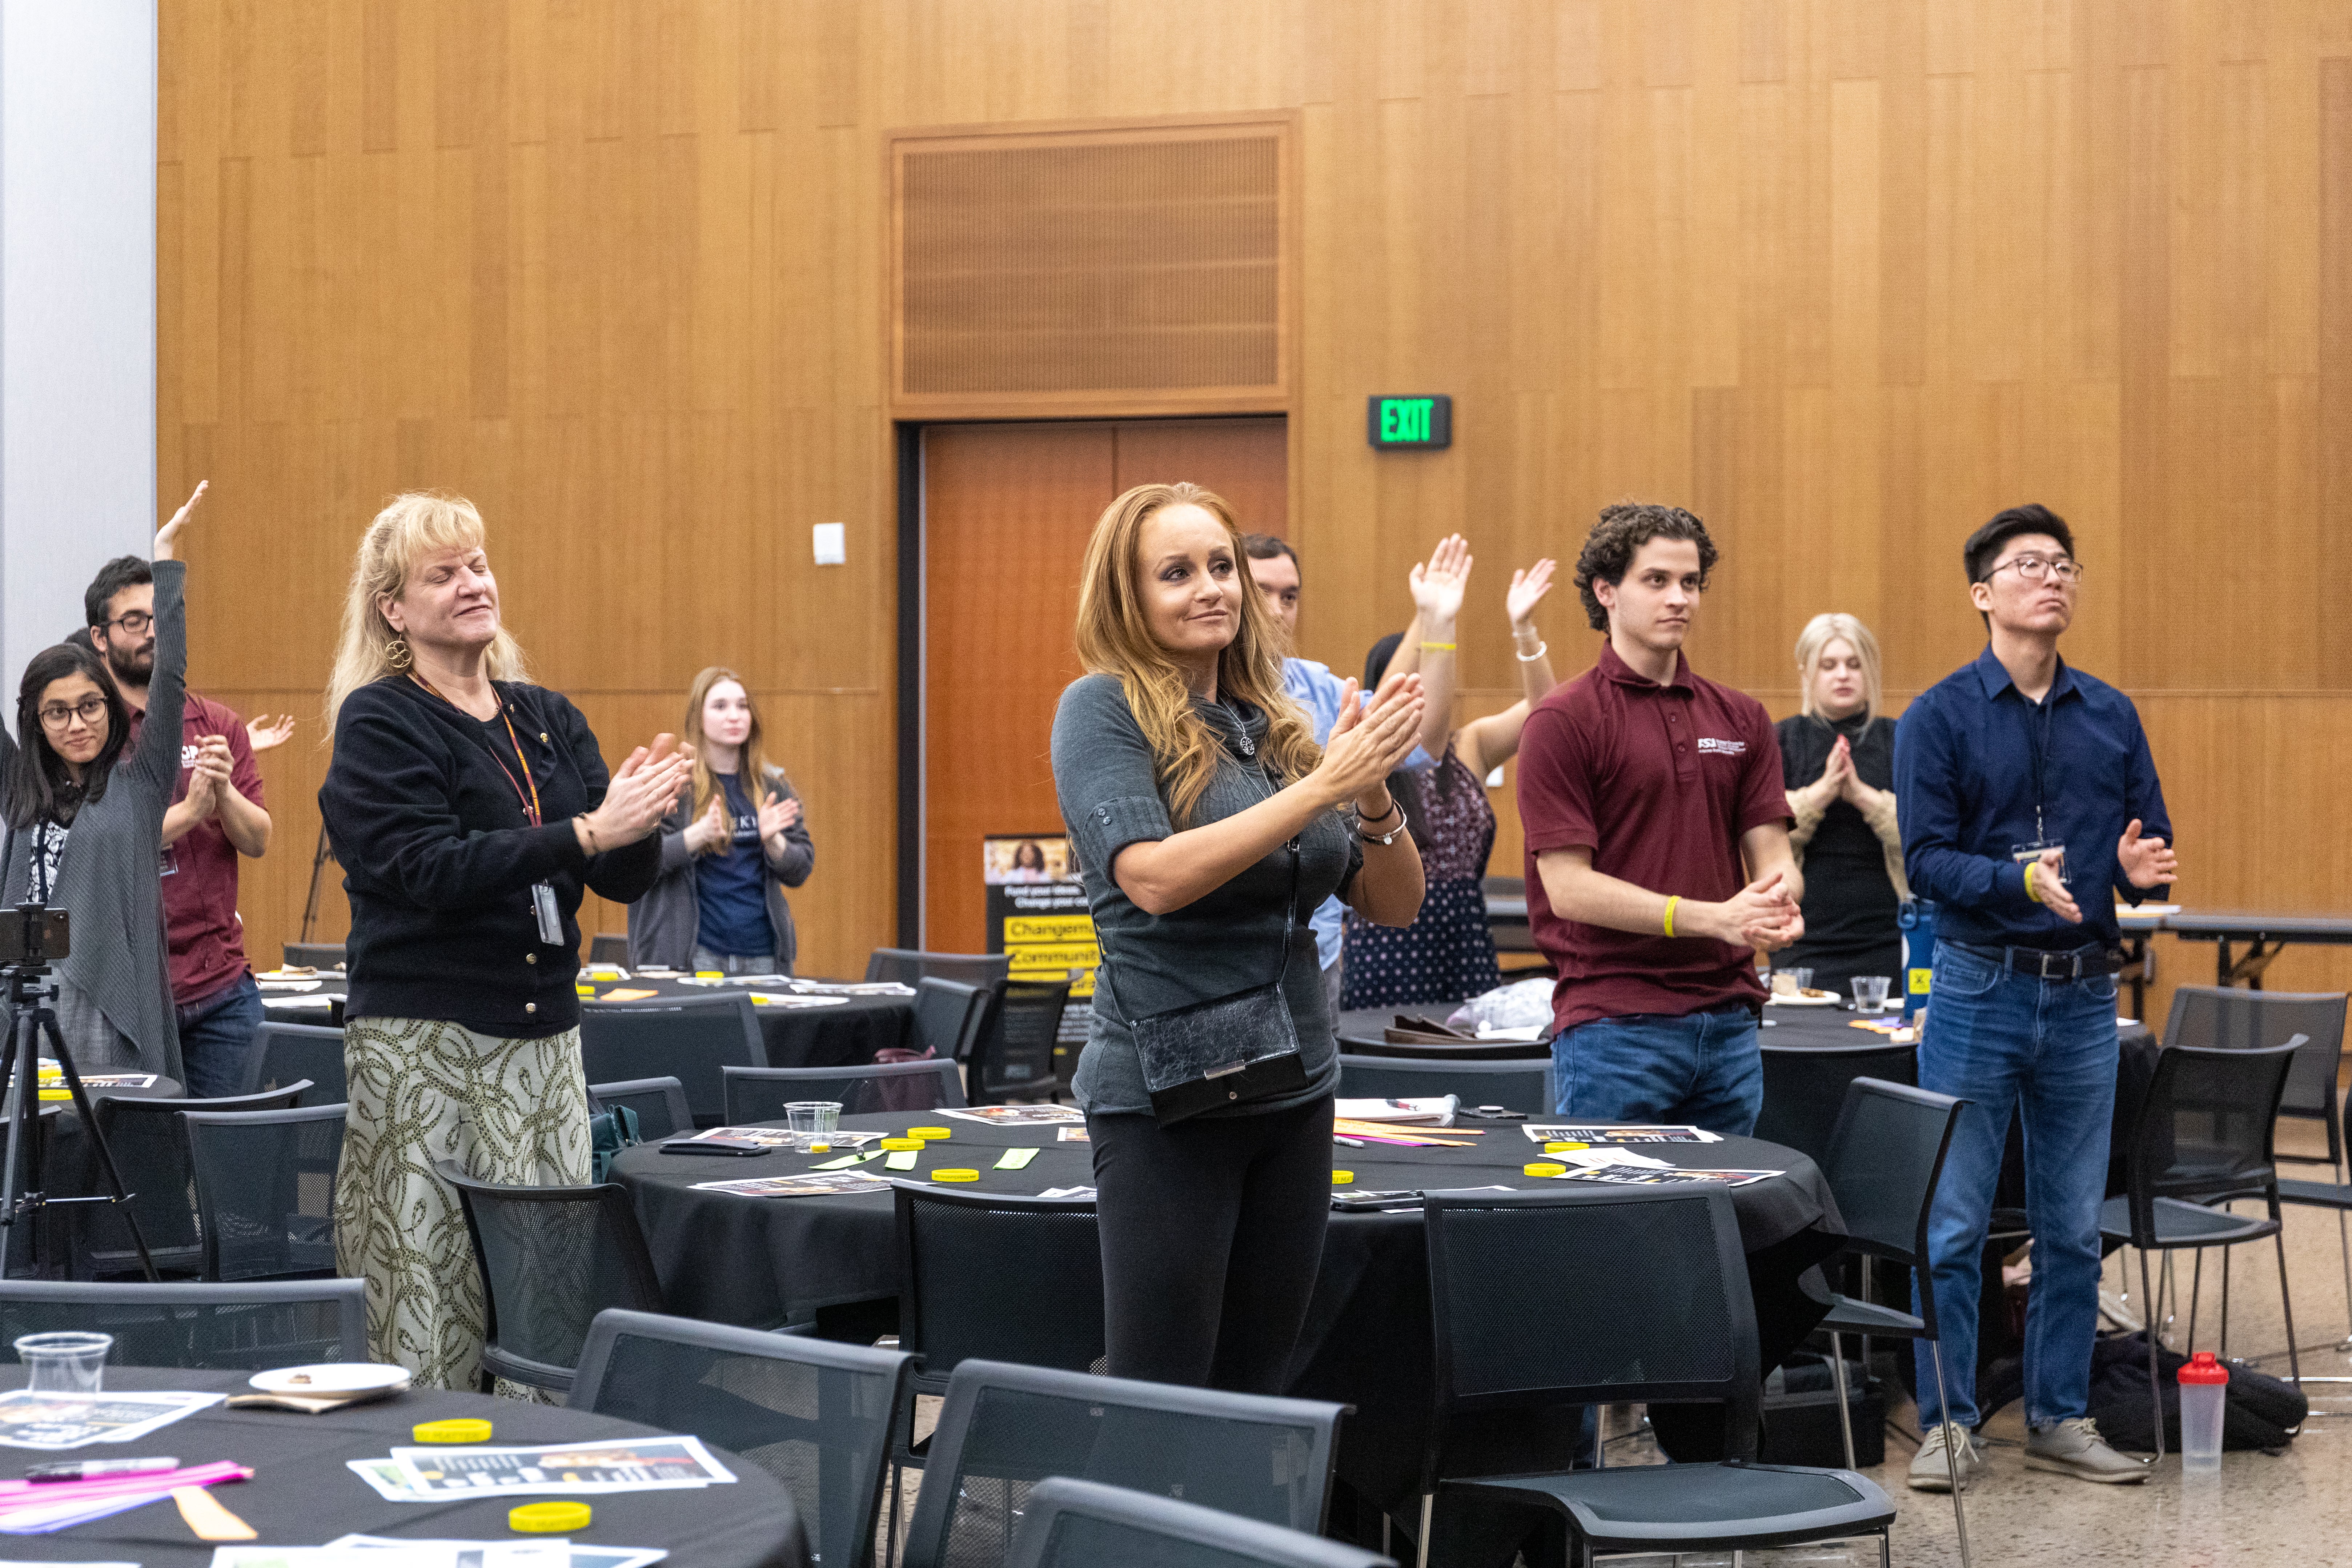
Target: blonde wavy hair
(410, 528)
(1824, 629)
(751, 764)
(1115, 639)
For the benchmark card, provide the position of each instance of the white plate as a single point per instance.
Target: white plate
(328, 1378)
(1778, 1000)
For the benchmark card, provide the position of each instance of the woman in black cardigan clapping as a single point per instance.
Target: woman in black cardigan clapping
(469, 809)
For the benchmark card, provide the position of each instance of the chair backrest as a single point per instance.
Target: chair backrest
(551, 1258)
(2205, 1127)
(1004, 1429)
(906, 966)
(1070, 1524)
(659, 1103)
(815, 1414)
(609, 947)
(2227, 1018)
(1521, 1086)
(1015, 1057)
(950, 1015)
(761, 1094)
(282, 1053)
(314, 955)
(246, 1327)
(958, 1299)
(1884, 1160)
(1669, 1322)
(266, 1190)
(1804, 1088)
(691, 1041)
(150, 1145)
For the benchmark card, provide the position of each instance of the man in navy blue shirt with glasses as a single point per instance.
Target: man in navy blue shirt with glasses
(2029, 802)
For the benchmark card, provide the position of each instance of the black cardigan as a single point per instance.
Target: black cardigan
(440, 858)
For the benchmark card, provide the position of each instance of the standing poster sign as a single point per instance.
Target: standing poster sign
(1037, 914)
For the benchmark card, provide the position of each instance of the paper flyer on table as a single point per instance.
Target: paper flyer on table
(69, 1420)
(808, 1185)
(1651, 1176)
(502, 1554)
(783, 1138)
(1021, 1115)
(1602, 1132)
(623, 1465)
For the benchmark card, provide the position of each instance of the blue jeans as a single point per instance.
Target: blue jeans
(2007, 1042)
(216, 1039)
(1702, 1068)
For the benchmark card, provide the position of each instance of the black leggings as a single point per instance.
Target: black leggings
(1211, 1233)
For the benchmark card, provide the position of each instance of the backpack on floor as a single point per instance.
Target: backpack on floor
(2260, 1412)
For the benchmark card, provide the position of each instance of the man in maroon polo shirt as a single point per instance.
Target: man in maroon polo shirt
(1642, 789)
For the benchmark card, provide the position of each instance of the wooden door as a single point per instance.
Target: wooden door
(1006, 513)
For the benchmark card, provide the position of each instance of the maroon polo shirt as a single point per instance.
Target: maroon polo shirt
(1659, 781)
(207, 939)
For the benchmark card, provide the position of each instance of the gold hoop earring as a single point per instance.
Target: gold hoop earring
(397, 657)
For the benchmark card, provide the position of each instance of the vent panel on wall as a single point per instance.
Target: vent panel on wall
(1098, 272)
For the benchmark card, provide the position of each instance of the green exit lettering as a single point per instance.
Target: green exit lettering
(1404, 419)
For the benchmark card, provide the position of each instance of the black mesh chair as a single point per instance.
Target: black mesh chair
(609, 947)
(551, 1258)
(692, 1041)
(2204, 1136)
(761, 1094)
(1523, 1085)
(288, 1053)
(815, 1414)
(246, 1327)
(150, 1145)
(659, 1103)
(950, 1015)
(908, 966)
(1084, 1524)
(1804, 1088)
(266, 1191)
(2226, 1018)
(1675, 1325)
(1885, 1158)
(1013, 1058)
(1004, 1429)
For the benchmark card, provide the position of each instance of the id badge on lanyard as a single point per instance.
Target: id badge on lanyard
(550, 921)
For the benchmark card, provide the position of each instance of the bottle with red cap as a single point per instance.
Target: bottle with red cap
(2204, 1386)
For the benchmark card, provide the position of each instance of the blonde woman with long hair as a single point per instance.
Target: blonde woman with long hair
(1837, 758)
(469, 809)
(1208, 827)
(728, 850)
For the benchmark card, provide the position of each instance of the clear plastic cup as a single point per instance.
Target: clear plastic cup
(71, 1363)
(2204, 1388)
(1798, 980)
(811, 1121)
(1870, 993)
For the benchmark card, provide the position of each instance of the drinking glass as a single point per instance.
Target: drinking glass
(811, 1121)
(1799, 979)
(68, 1363)
(1870, 993)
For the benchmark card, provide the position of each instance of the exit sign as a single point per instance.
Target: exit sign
(1415, 423)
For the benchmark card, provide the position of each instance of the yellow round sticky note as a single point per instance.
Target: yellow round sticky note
(460, 1429)
(1343, 1178)
(550, 1518)
(955, 1176)
(1564, 1148)
(929, 1131)
(1545, 1168)
(895, 1144)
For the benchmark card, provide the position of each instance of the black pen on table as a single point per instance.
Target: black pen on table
(91, 1469)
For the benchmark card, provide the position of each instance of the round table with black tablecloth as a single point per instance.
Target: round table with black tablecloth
(303, 1493)
(1362, 1033)
(761, 1261)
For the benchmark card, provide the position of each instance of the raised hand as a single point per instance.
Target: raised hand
(263, 733)
(1527, 590)
(2146, 862)
(166, 535)
(1439, 584)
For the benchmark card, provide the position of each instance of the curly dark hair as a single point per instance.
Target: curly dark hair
(1608, 549)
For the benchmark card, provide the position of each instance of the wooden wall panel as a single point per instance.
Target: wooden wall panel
(1846, 279)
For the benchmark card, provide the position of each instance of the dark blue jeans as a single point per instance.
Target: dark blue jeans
(1702, 1068)
(2007, 1042)
(216, 1039)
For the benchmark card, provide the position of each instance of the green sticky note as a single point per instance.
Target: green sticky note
(901, 1159)
(1015, 1159)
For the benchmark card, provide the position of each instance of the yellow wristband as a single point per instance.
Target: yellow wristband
(1669, 912)
(1438, 646)
(2030, 891)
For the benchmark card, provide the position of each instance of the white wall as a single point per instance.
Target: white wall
(76, 309)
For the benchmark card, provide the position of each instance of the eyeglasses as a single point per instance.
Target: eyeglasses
(136, 622)
(90, 709)
(2036, 568)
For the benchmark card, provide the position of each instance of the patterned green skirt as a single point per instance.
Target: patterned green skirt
(510, 1111)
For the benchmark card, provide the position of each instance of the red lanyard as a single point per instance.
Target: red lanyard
(529, 803)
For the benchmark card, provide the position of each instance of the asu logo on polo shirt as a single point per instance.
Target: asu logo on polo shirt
(1722, 748)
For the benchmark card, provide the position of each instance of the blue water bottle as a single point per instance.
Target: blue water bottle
(1917, 919)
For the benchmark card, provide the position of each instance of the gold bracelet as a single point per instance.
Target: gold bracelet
(1671, 902)
(1438, 646)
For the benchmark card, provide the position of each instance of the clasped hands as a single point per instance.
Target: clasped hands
(1840, 782)
(641, 791)
(1369, 739)
(1762, 916)
(208, 777)
(2144, 863)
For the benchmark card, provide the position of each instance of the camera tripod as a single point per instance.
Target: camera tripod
(32, 1021)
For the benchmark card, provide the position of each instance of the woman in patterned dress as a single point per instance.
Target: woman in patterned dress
(1447, 954)
(469, 809)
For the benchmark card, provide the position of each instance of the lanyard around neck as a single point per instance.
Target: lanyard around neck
(530, 802)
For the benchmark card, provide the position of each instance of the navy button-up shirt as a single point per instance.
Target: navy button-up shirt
(1973, 759)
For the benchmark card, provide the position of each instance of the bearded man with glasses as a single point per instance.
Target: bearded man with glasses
(2030, 802)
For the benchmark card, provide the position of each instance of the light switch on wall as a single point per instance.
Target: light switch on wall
(831, 543)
